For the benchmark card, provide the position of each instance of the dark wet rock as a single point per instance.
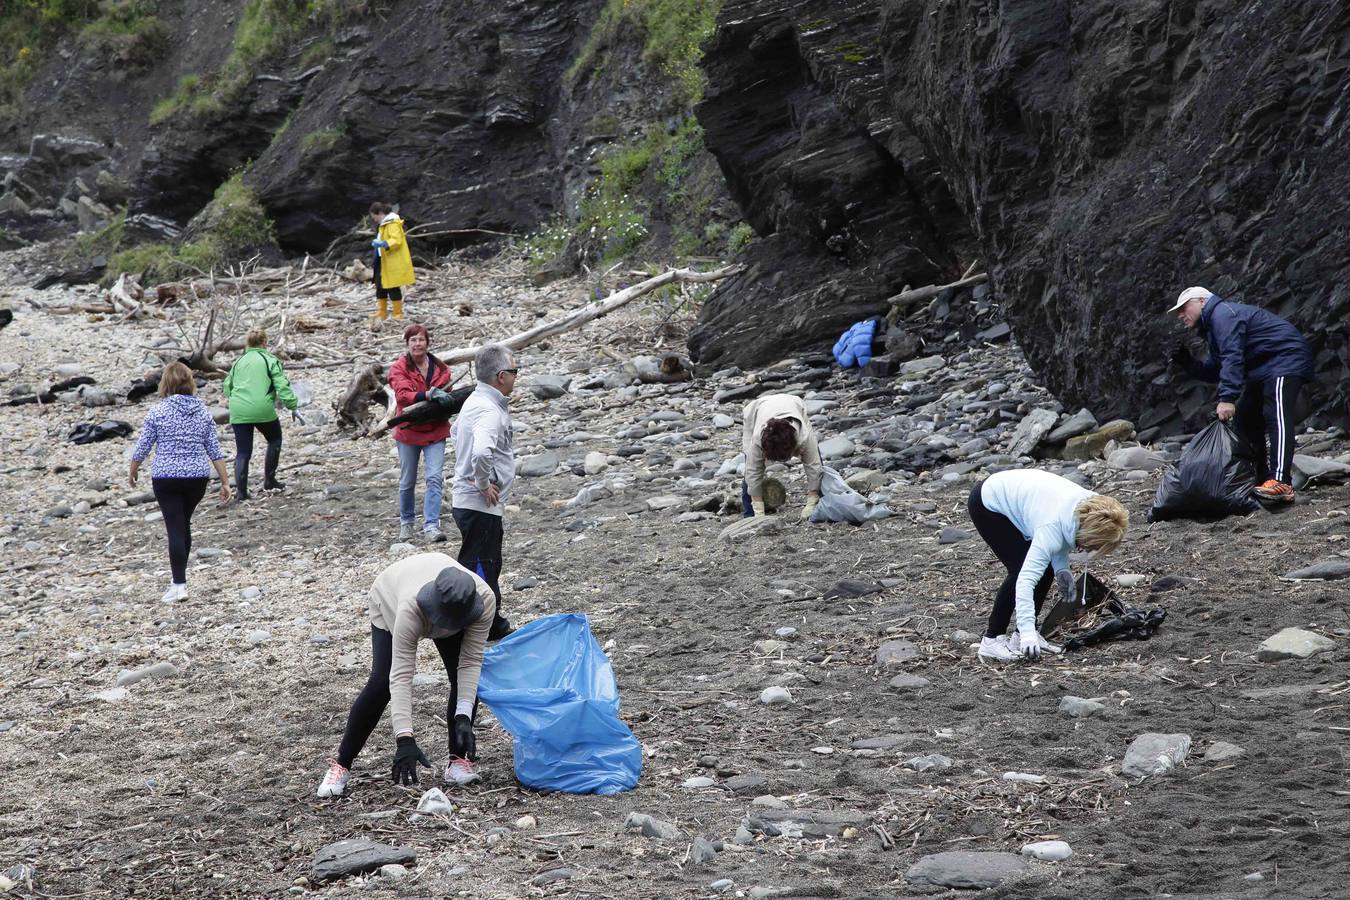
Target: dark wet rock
(966, 869)
(552, 876)
(952, 535)
(355, 856)
(1166, 583)
(848, 588)
(1327, 569)
(746, 784)
(704, 851)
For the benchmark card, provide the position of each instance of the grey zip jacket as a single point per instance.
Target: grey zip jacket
(484, 451)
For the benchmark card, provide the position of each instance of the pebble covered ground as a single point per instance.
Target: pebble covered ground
(814, 720)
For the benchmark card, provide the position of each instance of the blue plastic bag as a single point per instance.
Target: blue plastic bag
(553, 689)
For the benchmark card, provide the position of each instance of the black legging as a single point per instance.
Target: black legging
(243, 452)
(374, 697)
(177, 498)
(1011, 549)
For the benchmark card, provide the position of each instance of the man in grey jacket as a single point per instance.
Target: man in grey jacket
(485, 466)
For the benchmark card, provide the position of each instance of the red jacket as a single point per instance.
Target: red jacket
(410, 387)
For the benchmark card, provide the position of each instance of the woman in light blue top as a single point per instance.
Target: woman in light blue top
(183, 435)
(1032, 520)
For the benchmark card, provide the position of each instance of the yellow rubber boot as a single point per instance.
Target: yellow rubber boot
(382, 308)
(398, 309)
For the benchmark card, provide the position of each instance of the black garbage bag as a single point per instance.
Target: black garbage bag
(1127, 625)
(89, 433)
(434, 410)
(1089, 591)
(1214, 478)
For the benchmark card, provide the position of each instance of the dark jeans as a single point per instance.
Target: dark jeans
(1266, 411)
(374, 697)
(747, 511)
(1011, 549)
(383, 292)
(243, 452)
(481, 548)
(177, 498)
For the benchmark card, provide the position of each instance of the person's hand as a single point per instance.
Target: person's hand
(406, 759)
(1064, 581)
(1225, 412)
(811, 502)
(131, 476)
(226, 495)
(439, 395)
(1031, 645)
(379, 244)
(757, 506)
(1181, 356)
(466, 744)
(492, 493)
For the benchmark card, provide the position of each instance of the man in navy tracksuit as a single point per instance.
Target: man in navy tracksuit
(1261, 362)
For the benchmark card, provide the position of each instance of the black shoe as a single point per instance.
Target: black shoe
(273, 485)
(500, 629)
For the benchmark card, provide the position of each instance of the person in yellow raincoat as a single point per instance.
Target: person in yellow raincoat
(393, 261)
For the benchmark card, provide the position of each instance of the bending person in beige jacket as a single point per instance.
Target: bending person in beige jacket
(777, 429)
(428, 595)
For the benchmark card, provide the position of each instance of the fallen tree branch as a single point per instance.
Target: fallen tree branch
(916, 296)
(593, 311)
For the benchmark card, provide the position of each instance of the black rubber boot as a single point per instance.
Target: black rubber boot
(270, 463)
(240, 478)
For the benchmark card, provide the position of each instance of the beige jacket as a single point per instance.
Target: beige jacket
(778, 406)
(393, 607)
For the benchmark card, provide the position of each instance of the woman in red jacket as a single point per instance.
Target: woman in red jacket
(415, 376)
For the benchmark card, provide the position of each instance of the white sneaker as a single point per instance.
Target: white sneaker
(174, 593)
(461, 772)
(335, 782)
(996, 649)
(1015, 644)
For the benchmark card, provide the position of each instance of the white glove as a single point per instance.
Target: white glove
(809, 508)
(757, 506)
(1031, 644)
(1064, 581)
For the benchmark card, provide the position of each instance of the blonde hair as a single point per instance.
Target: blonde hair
(177, 379)
(1101, 523)
(257, 337)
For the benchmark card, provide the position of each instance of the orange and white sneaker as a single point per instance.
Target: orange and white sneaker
(1275, 491)
(461, 772)
(334, 784)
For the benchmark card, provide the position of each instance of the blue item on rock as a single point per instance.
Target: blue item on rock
(553, 689)
(854, 346)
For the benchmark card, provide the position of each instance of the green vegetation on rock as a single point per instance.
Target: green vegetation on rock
(322, 140)
(129, 33)
(673, 33)
(28, 28)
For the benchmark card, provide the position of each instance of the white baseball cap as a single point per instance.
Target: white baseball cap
(1191, 293)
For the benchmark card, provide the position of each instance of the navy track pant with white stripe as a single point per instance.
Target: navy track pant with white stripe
(1266, 417)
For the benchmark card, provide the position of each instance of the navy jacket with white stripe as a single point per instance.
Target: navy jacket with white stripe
(1249, 344)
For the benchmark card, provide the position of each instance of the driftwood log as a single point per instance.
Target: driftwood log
(909, 299)
(367, 386)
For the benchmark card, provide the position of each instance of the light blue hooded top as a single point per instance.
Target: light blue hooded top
(1044, 507)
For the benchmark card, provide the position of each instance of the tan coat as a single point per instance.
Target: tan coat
(393, 607)
(778, 406)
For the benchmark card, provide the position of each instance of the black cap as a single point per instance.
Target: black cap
(450, 600)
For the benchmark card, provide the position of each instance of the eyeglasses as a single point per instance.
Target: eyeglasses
(509, 371)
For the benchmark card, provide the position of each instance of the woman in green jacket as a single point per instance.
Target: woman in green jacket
(255, 382)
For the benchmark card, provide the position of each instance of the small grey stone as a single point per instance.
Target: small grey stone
(966, 869)
(1030, 430)
(1079, 707)
(703, 851)
(538, 465)
(836, 447)
(951, 535)
(1155, 754)
(524, 584)
(746, 783)
(880, 742)
(1050, 851)
(897, 652)
(1328, 569)
(7, 725)
(257, 636)
(157, 670)
(743, 836)
(923, 364)
(909, 682)
(699, 782)
(651, 827)
(552, 876)
(745, 529)
(250, 593)
(722, 885)
(722, 420)
(929, 761)
(1222, 751)
(1292, 643)
(848, 588)
(774, 695)
(549, 387)
(1080, 422)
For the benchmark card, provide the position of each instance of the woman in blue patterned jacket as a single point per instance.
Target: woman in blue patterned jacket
(181, 430)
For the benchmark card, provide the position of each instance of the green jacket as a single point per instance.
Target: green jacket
(254, 383)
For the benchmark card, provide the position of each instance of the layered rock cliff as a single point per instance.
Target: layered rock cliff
(1103, 156)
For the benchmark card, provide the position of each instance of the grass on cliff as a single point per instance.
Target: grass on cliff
(233, 222)
(28, 29)
(672, 33)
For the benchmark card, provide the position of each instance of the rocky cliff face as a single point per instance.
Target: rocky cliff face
(1103, 155)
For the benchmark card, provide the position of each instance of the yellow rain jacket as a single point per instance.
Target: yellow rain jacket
(396, 268)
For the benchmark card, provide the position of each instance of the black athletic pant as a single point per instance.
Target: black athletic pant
(1011, 549)
(243, 452)
(382, 293)
(177, 498)
(1265, 411)
(374, 697)
(481, 548)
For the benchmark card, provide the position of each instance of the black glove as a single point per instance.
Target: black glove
(465, 743)
(406, 758)
(439, 395)
(1181, 357)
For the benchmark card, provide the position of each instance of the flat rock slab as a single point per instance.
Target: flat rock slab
(895, 653)
(748, 528)
(158, 670)
(966, 869)
(1292, 643)
(540, 464)
(849, 588)
(1326, 569)
(1155, 754)
(909, 682)
(882, 742)
(816, 823)
(1222, 751)
(746, 784)
(1030, 430)
(836, 448)
(1079, 707)
(356, 856)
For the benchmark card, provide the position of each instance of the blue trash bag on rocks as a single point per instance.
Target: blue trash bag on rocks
(553, 689)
